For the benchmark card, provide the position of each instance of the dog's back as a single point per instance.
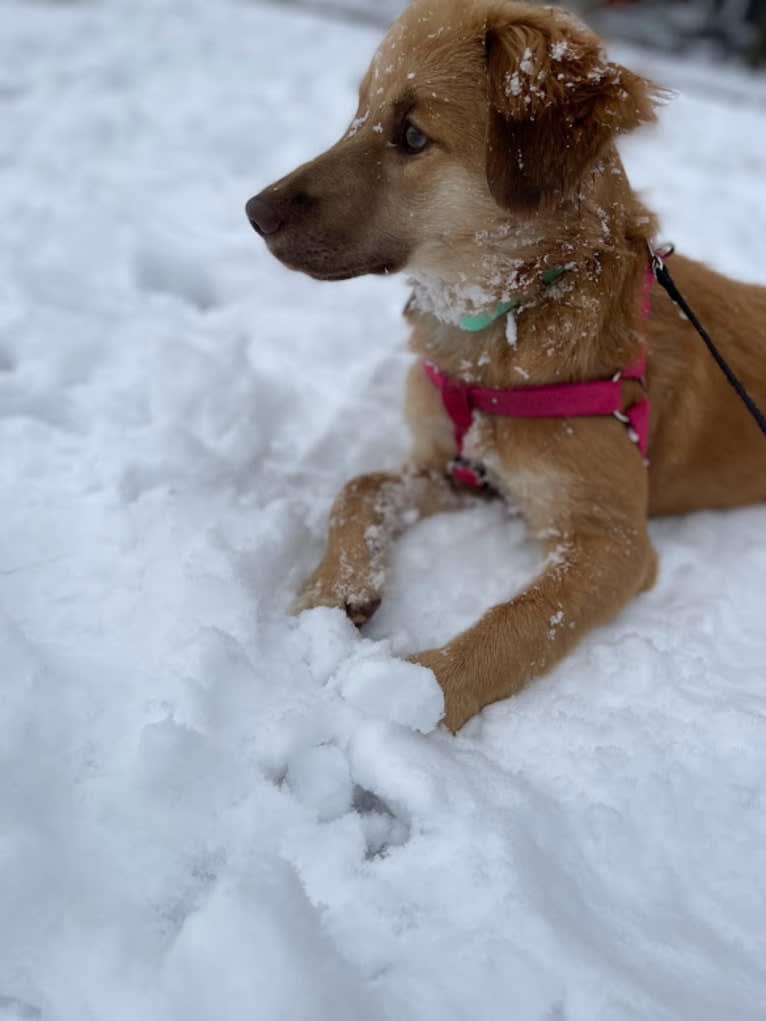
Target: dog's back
(706, 451)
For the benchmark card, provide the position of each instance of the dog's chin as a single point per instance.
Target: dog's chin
(348, 273)
(328, 267)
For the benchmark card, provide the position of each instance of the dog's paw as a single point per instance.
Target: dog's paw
(460, 703)
(324, 588)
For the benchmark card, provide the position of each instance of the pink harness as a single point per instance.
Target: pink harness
(556, 400)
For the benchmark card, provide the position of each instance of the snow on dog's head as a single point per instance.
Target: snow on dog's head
(471, 116)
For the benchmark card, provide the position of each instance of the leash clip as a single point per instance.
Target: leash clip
(658, 255)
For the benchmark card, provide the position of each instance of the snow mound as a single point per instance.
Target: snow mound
(403, 693)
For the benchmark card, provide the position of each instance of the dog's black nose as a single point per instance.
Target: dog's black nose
(263, 215)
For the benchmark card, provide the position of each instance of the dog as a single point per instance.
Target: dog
(482, 160)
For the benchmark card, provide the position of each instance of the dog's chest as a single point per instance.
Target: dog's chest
(500, 447)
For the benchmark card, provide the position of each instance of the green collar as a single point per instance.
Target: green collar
(480, 321)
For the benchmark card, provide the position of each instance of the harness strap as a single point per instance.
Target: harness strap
(556, 400)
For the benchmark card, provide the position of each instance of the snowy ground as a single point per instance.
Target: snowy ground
(211, 811)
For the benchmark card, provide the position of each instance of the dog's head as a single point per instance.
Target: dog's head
(472, 116)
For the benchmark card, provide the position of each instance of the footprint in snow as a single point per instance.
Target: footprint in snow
(382, 828)
(320, 779)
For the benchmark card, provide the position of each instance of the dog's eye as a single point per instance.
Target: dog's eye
(413, 139)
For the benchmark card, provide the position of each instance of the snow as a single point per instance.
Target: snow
(397, 691)
(212, 810)
(320, 779)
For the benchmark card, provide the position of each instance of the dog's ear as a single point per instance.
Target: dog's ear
(554, 103)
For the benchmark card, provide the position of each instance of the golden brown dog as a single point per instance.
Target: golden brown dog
(483, 154)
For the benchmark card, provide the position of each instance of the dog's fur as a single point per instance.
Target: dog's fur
(522, 173)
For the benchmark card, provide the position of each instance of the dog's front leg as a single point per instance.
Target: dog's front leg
(588, 577)
(366, 516)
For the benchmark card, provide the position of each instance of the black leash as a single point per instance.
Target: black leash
(663, 277)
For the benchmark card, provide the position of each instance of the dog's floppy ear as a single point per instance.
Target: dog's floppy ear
(554, 103)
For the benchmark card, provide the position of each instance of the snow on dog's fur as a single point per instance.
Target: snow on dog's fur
(483, 152)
